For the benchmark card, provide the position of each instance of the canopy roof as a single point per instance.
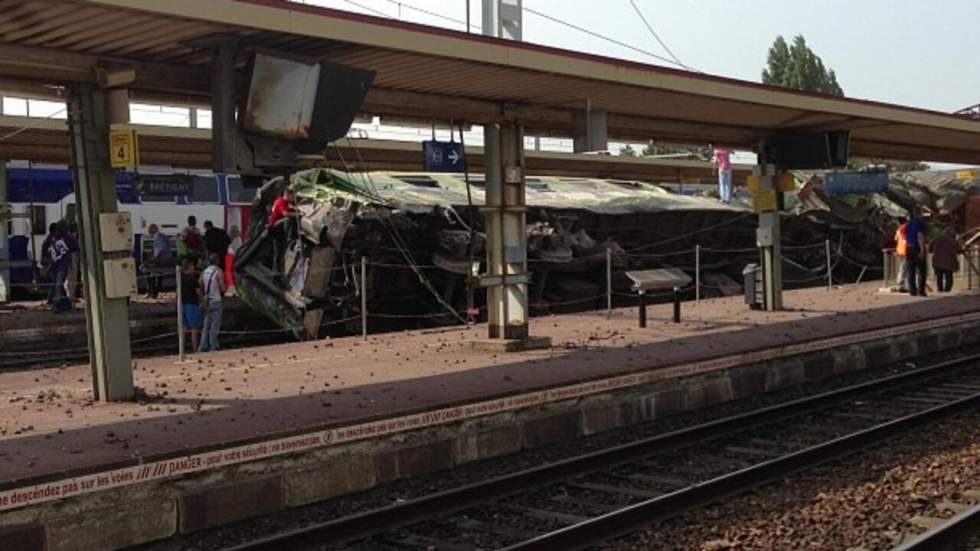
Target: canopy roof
(426, 72)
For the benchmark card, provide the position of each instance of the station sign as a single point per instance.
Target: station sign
(123, 148)
(164, 185)
(839, 183)
(443, 156)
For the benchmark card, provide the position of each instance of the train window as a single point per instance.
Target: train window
(205, 190)
(420, 181)
(39, 220)
(70, 213)
(238, 192)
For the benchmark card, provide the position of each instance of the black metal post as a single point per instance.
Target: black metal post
(677, 305)
(643, 309)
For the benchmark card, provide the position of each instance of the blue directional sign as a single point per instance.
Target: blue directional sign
(839, 183)
(443, 157)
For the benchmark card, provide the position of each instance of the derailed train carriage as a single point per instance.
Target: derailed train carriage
(415, 232)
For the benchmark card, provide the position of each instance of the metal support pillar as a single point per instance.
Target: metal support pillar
(95, 189)
(504, 19)
(224, 132)
(768, 238)
(507, 277)
(591, 131)
(5, 217)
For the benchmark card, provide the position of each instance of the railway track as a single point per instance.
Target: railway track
(962, 531)
(583, 501)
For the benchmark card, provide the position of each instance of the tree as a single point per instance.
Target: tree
(627, 151)
(796, 66)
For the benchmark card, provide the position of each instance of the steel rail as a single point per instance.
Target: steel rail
(621, 522)
(948, 535)
(578, 536)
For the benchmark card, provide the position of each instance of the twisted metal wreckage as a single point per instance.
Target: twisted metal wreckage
(415, 230)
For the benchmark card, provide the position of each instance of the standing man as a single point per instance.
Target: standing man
(190, 301)
(216, 240)
(213, 287)
(281, 215)
(723, 159)
(162, 258)
(901, 250)
(192, 240)
(945, 259)
(61, 250)
(46, 272)
(915, 237)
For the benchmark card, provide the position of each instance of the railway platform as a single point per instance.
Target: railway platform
(234, 434)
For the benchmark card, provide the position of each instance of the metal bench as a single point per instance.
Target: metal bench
(645, 281)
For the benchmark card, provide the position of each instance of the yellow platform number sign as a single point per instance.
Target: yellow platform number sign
(123, 148)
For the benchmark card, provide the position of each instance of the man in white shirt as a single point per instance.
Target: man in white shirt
(213, 286)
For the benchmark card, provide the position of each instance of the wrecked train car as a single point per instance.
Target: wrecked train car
(420, 234)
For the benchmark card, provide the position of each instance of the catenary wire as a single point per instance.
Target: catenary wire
(657, 37)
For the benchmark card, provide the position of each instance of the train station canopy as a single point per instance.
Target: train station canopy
(426, 72)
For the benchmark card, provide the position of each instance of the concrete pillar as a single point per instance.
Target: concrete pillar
(768, 238)
(5, 217)
(107, 319)
(591, 131)
(117, 106)
(506, 236)
(224, 131)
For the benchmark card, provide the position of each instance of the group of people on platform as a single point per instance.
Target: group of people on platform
(912, 247)
(206, 276)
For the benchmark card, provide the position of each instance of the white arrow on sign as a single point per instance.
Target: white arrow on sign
(454, 156)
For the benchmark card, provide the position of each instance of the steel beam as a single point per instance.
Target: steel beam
(224, 131)
(591, 131)
(107, 319)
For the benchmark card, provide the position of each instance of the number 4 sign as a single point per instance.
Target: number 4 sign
(123, 148)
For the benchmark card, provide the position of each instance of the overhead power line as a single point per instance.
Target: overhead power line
(542, 15)
(432, 13)
(601, 36)
(656, 36)
(368, 9)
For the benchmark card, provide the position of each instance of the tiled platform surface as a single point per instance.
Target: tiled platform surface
(50, 428)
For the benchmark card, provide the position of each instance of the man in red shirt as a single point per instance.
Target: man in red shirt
(281, 229)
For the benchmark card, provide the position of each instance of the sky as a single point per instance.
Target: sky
(915, 53)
